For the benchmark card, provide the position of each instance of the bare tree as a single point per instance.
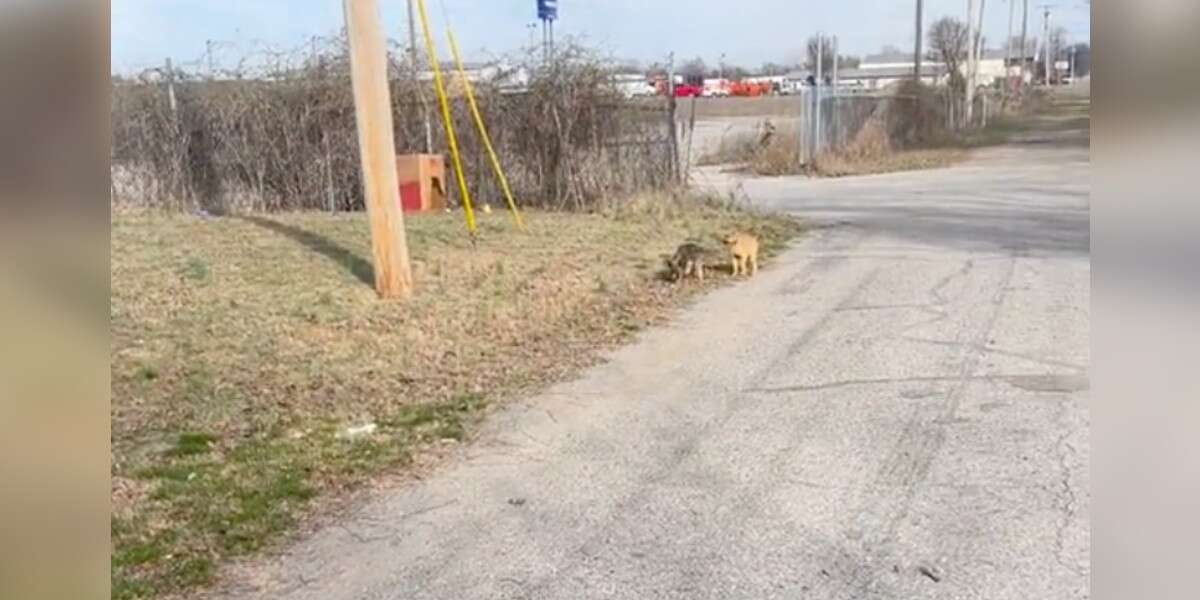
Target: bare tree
(827, 56)
(772, 68)
(1083, 58)
(1058, 43)
(1058, 49)
(730, 72)
(948, 45)
(693, 68)
(1031, 45)
(826, 48)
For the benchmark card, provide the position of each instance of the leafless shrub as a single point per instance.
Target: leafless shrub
(733, 147)
(780, 155)
(285, 138)
(918, 115)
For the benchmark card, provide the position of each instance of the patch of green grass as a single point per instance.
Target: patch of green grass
(450, 430)
(413, 416)
(125, 588)
(136, 554)
(195, 269)
(146, 373)
(234, 504)
(171, 471)
(192, 571)
(192, 443)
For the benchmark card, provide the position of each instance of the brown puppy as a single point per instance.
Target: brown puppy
(688, 260)
(743, 252)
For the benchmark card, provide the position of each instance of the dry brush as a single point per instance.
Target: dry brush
(284, 139)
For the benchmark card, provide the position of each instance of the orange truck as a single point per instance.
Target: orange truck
(749, 88)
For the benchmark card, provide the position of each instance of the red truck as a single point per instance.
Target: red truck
(691, 87)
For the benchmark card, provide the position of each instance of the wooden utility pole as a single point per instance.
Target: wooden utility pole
(377, 148)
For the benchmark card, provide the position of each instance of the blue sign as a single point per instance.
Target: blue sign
(547, 9)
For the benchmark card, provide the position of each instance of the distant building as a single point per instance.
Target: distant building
(877, 71)
(881, 70)
(633, 85)
(875, 77)
(991, 68)
(892, 60)
(501, 75)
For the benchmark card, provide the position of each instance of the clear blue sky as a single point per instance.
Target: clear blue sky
(748, 32)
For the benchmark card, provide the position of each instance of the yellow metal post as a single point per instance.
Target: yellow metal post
(446, 121)
(483, 134)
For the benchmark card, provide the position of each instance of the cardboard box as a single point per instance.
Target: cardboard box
(422, 181)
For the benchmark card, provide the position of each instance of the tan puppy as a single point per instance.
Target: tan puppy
(743, 252)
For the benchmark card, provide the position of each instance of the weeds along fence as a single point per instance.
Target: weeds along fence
(814, 126)
(909, 115)
(285, 138)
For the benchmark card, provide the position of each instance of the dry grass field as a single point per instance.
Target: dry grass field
(246, 350)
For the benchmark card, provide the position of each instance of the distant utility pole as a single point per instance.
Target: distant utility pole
(917, 45)
(208, 54)
(412, 37)
(1024, 42)
(835, 65)
(1071, 66)
(671, 74)
(837, 124)
(969, 97)
(1012, 11)
(170, 74)
(817, 94)
(416, 68)
(979, 41)
(674, 152)
(1046, 40)
(377, 150)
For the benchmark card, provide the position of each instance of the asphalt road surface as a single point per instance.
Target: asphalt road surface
(895, 408)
